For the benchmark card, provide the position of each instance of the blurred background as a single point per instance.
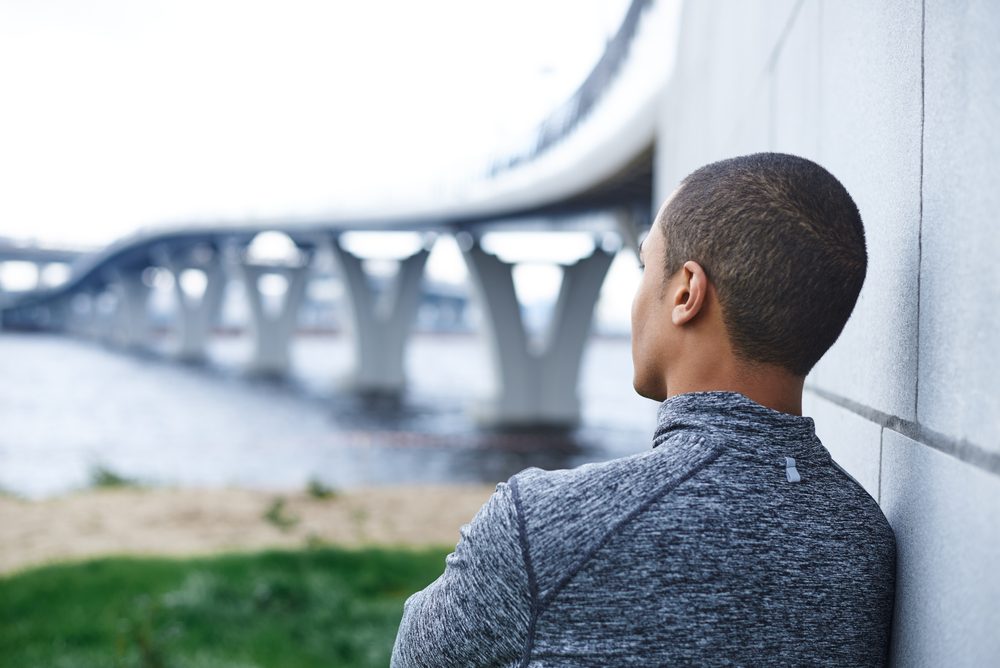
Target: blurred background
(316, 276)
(288, 199)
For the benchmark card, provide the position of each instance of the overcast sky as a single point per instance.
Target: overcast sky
(119, 113)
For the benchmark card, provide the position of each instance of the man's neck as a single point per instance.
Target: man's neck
(767, 385)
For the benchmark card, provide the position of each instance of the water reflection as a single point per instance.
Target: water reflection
(67, 406)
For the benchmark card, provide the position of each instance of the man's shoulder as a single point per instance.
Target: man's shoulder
(565, 514)
(630, 476)
(542, 482)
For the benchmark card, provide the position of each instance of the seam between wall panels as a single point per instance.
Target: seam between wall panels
(881, 451)
(920, 217)
(772, 100)
(819, 76)
(771, 78)
(765, 77)
(959, 448)
(772, 59)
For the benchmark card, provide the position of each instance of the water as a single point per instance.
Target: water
(68, 406)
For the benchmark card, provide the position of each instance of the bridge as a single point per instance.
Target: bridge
(588, 167)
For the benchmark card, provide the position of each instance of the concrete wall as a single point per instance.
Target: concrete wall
(901, 101)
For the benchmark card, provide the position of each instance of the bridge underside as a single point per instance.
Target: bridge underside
(534, 386)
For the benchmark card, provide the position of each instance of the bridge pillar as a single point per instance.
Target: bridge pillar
(536, 387)
(93, 321)
(131, 313)
(59, 315)
(107, 314)
(273, 331)
(83, 315)
(197, 313)
(380, 327)
(631, 225)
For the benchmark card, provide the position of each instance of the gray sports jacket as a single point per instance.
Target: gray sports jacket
(735, 541)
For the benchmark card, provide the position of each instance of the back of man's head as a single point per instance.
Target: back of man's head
(782, 242)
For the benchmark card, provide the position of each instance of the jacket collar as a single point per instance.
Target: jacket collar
(739, 422)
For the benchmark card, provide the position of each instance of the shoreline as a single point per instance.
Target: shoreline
(181, 521)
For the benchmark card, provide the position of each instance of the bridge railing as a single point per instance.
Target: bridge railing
(564, 118)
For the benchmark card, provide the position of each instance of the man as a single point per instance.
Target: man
(736, 539)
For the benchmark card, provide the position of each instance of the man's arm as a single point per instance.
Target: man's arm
(477, 612)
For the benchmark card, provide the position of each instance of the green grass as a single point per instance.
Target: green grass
(278, 515)
(103, 477)
(315, 607)
(318, 489)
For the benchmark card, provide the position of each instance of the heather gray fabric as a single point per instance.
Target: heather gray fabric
(705, 550)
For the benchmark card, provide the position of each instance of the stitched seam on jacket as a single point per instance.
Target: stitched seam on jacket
(522, 535)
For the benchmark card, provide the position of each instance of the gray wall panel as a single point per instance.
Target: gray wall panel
(796, 87)
(870, 138)
(959, 383)
(943, 512)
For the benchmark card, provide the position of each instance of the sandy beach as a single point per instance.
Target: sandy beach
(181, 522)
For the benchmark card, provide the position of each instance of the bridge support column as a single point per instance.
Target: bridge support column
(86, 321)
(74, 319)
(197, 314)
(632, 224)
(380, 327)
(83, 315)
(59, 315)
(131, 312)
(536, 387)
(107, 314)
(273, 331)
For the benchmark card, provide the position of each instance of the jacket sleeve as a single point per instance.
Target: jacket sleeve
(477, 612)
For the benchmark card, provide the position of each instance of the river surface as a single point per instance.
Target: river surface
(69, 407)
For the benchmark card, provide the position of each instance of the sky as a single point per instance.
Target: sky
(118, 114)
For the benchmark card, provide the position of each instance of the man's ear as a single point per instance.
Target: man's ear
(689, 293)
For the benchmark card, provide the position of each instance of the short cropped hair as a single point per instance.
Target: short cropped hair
(782, 242)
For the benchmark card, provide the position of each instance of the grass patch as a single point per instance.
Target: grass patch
(318, 489)
(278, 515)
(316, 607)
(102, 477)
